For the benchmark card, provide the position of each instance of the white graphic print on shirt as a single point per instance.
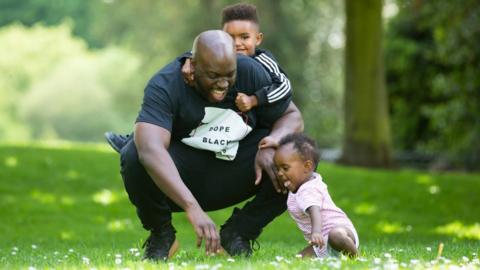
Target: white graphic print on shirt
(220, 132)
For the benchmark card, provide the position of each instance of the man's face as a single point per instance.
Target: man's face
(214, 75)
(245, 34)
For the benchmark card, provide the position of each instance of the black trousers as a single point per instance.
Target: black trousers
(215, 183)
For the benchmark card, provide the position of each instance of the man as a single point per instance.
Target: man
(194, 151)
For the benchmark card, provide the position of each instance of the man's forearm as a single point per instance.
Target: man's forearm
(162, 170)
(290, 122)
(152, 143)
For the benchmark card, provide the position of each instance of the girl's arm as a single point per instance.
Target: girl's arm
(316, 237)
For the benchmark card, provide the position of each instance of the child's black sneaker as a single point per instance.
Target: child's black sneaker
(160, 245)
(116, 141)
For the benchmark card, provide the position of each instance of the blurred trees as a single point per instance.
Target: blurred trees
(433, 67)
(367, 128)
(52, 12)
(298, 32)
(52, 86)
(112, 47)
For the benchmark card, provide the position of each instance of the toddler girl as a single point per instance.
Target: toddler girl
(326, 227)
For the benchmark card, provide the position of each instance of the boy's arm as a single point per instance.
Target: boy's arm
(187, 71)
(280, 87)
(185, 56)
(316, 237)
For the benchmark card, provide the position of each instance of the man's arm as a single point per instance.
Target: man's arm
(152, 143)
(291, 121)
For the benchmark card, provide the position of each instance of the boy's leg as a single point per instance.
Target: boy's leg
(343, 239)
(151, 205)
(117, 141)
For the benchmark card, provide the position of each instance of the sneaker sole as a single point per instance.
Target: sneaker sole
(107, 138)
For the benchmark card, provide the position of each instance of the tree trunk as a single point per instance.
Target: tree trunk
(367, 140)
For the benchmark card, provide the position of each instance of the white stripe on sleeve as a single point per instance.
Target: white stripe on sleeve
(284, 88)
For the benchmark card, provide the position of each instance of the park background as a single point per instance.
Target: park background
(390, 88)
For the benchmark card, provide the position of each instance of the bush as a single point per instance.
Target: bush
(432, 73)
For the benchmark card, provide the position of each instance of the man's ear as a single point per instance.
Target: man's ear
(259, 38)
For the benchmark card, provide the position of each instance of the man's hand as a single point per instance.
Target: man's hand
(316, 239)
(204, 229)
(187, 72)
(245, 103)
(267, 142)
(264, 162)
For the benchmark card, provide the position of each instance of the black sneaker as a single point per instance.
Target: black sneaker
(160, 245)
(116, 141)
(233, 243)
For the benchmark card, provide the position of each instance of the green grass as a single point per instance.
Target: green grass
(62, 206)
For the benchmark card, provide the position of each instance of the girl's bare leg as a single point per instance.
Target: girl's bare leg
(307, 252)
(343, 240)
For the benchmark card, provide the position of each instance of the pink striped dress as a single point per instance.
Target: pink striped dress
(315, 192)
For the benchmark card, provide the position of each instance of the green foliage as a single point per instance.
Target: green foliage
(71, 197)
(298, 33)
(27, 55)
(432, 65)
(52, 12)
(58, 88)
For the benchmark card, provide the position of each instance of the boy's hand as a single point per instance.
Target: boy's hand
(245, 103)
(316, 239)
(268, 142)
(187, 72)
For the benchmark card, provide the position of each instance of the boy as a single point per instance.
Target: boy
(241, 22)
(326, 227)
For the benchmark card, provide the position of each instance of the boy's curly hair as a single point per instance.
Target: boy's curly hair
(242, 12)
(305, 147)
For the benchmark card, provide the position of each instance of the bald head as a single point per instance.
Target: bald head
(213, 43)
(214, 61)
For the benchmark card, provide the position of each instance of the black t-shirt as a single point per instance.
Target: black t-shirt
(170, 103)
(215, 182)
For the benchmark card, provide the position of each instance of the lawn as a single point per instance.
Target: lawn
(64, 207)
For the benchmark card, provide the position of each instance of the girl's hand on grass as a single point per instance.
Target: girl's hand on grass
(187, 72)
(316, 239)
(205, 229)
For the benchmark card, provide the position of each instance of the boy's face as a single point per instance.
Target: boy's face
(293, 171)
(245, 34)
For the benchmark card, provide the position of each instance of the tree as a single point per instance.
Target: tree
(367, 139)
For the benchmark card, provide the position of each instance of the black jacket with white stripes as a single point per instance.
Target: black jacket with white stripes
(280, 87)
